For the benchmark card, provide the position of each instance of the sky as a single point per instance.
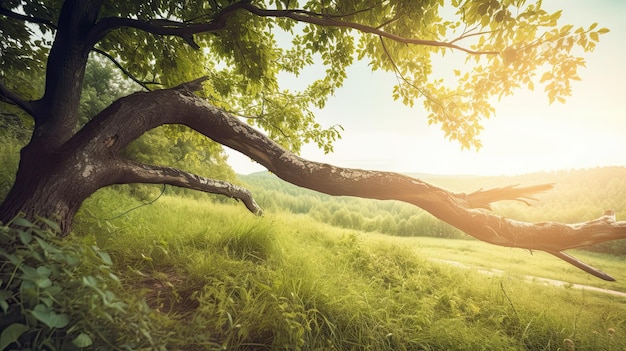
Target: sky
(526, 135)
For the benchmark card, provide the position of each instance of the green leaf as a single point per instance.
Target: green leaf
(44, 283)
(43, 271)
(90, 281)
(14, 259)
(46, 246)
(53, 225)
(4, 296)
(566, 28)
(11, 334)
(4, 305)
(22, 222)
(82, 340)
(104, 256)
(49, 317)
(49, 302)
(25, 237)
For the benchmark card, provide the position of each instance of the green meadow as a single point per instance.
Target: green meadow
(219, 278)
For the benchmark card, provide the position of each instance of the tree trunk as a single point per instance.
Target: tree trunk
(49, 185)
(53, 182)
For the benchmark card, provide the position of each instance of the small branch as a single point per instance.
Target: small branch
(8, 96)
(31, 19)
(484, 198)
(579, 264)
(134, 172)
(341, 15)
(322, 20)
(193, 86)
(387, 22)
(468, 34)
(126, 73)
(400, 76)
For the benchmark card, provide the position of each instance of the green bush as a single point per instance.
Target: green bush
(62, 296)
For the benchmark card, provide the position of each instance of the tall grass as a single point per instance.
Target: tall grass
(225, 279)
(11, 142)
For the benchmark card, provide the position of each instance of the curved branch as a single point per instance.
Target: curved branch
(8, 96)
(134, 172)
(463, 211)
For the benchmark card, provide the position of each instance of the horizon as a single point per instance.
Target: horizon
(435, 175)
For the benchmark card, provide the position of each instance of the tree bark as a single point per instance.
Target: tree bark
(54, 185)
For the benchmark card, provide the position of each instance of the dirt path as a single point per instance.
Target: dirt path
(530, 278)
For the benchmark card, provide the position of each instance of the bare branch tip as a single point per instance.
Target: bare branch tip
(194, 85)
(581, 265)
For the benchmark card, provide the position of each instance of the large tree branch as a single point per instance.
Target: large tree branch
(186, 30)
(133, 172)
(183, 30)
(322, 20)
(464, 211)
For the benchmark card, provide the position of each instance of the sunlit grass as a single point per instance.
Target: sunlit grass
(517, 263)
(225, 278)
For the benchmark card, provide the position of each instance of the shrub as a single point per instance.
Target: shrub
(58, 295)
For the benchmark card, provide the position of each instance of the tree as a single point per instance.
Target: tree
(233, 47)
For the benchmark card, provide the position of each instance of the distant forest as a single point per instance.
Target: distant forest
(578, 195)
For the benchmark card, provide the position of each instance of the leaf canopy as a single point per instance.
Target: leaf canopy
(249, 48)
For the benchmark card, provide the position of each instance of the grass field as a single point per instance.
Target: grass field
(516, 263)
(220, 278)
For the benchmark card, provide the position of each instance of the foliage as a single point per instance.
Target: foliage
(60, 296)
(507, 45)
(102, 85)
